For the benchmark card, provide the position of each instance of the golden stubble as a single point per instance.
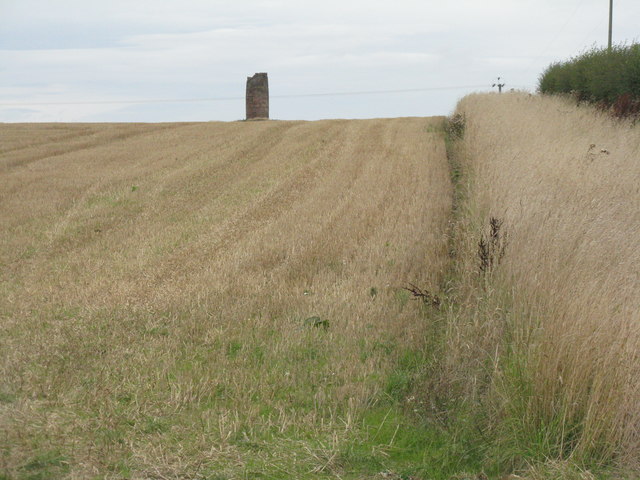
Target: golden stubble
(151, 270)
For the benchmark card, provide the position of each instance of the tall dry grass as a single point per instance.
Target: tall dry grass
(552, 345)
(160, 285)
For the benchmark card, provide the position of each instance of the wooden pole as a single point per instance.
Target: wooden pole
(610, 23)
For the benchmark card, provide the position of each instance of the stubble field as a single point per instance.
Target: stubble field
(217, 300)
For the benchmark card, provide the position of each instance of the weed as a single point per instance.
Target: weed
(316, 322)
(425, 295)
(7, 397)
(455, 126)
(153, 425)
(491, 247)
(48, 465)
(233, 348)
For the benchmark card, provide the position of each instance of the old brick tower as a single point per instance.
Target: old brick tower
(258, 96)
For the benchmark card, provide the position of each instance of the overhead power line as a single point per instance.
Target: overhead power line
(377, 92)
(122, 102)
(222, 99)
(555, 37)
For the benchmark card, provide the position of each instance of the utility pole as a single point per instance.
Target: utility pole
(499, 85)
(610, 23)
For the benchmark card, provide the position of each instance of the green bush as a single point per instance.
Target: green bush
(599, 76)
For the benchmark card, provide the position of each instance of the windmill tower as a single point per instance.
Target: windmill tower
(258, 96)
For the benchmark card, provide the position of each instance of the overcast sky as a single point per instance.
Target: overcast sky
(58, 55)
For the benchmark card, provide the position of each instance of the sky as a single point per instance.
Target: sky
(188, 60)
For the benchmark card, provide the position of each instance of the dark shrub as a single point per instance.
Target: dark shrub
(609, 79)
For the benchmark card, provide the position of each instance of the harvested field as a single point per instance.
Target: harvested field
(191, 300)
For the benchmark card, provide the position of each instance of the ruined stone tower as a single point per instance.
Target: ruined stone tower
(258, 96)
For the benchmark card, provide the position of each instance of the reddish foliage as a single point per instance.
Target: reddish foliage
(626, 106)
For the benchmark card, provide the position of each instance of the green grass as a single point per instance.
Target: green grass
(48, 465)
(390, 440)
(393, 436)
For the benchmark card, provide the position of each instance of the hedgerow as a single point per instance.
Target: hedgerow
(610, 79)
